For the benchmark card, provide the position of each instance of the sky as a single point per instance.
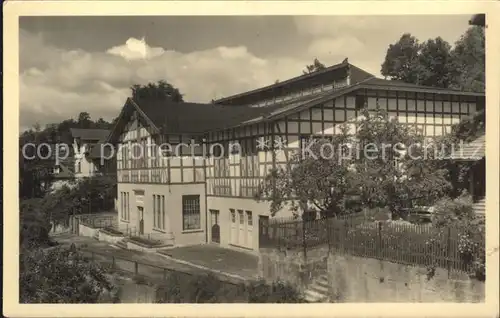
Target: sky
(88, 63)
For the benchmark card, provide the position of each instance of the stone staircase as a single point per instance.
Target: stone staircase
(122, 244)
(318, 290)
(480, 207)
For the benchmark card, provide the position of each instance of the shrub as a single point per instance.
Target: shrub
(458, 214)
(59, 276)
(178, 288)
(210, 289)
(277, 292)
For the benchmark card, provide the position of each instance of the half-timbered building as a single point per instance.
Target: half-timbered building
(205, 194)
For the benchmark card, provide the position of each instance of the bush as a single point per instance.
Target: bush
(178, 288)
(210, 289)
(34, 225)
(60, 276)
(277, 292)
(458, 214)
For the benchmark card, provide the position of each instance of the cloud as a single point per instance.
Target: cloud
(135, 49)
(57, 84)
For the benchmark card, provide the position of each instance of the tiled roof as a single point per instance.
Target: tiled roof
(474, 150)
(89, 134)
(198, 118)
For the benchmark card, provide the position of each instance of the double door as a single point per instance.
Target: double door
(241, 223)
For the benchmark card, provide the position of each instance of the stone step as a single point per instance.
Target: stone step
(312, 296)
(122, 244)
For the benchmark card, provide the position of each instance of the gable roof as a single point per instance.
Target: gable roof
(89, 134)
(196, 118)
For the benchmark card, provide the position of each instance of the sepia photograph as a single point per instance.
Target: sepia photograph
(270, 159)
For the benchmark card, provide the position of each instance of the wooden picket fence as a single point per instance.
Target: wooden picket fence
(412, 244)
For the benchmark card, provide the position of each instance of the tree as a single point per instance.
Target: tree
(314, 67)
(468, 61)
(436, 63)
(401, 60)
(95, 194)
(158, 90)
(359, 164)
(61, 276)
(320, 179)
(84, 120)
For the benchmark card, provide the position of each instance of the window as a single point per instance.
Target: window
(241, 216)
(128, 206)
(159, 212)
(159, 223)
(191, 212)
(125, 209)
(78, 167)
(233, 216)
(249, 218)
(360, 102)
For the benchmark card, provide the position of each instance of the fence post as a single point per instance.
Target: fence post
(448, 251)
(304, 247)
(136, 267)
(379, 247)
(346, 231)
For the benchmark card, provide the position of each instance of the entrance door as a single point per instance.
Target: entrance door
(215, 229)
(263, 230)
(241, 229)
(233, 230)
(140, 218)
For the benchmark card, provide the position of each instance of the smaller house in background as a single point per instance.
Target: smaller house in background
(90, 152)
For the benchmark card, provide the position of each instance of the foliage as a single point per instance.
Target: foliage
(158, 90)
(466, 130)
(358, 164)
(35, 175)
(207, 288)
(276, 292)
(436, 63)
(470, 229)
(34, 225)
(60, 276)
(93, 194)
(195, 289)
(401, 60)
(314, 67)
